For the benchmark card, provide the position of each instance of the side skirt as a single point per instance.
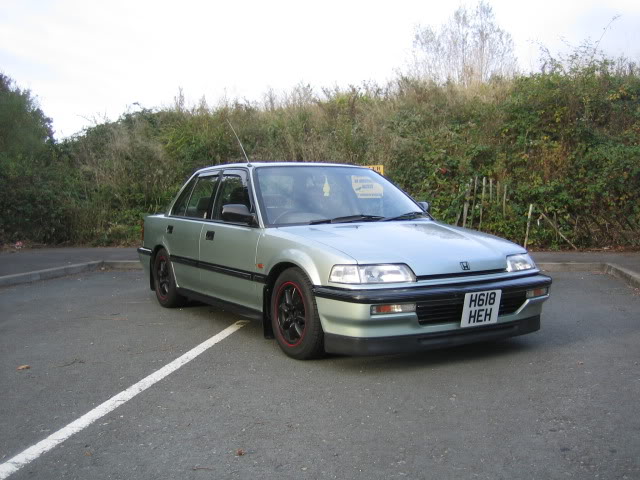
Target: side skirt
(222, 304)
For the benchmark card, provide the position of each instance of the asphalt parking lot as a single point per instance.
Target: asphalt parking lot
(560, 403)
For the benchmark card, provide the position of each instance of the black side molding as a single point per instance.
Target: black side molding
(212, 267)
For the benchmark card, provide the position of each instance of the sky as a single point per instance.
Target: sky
(88, 60)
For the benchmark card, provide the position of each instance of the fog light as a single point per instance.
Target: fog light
(399, 308)
(538, 292)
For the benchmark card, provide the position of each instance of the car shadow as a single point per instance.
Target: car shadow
(460, 354)
(402, 361)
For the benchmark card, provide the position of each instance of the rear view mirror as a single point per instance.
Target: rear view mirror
(425, 206)
(237, 213)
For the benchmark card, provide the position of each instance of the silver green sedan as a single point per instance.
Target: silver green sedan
(335, 258)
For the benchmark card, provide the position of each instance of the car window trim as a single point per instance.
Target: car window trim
(175, 199)
(223, 179)
(214, 193)
(259, 201)
(197, 177)
(266, 223)
(256, 184)
(252, 197)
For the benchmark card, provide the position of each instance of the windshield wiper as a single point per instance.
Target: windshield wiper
(404, 216)
(348, 219)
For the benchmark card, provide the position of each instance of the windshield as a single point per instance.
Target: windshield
(313, 194)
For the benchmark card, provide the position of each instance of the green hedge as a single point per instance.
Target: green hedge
(566, 141)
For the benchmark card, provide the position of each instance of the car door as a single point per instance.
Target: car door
(184, 224)
(228, 249)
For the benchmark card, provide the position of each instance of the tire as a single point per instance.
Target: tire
(164, 281)
(294, 316)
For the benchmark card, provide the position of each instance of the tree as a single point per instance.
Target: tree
(471, 48)
(25, 131)
(34, 185)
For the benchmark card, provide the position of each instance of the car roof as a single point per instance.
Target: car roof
(252, 165)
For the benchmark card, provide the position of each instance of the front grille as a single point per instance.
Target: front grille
(477, 273)
(511, 301)
(448, 308)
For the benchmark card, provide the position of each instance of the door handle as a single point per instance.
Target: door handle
(169, 228)
(209, 235)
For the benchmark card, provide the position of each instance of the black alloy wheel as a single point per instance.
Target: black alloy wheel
(164, 281)
(294, 317)
(291, 313)
(162, 287)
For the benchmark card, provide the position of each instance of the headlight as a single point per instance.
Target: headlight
(371, 274)
(522, 261)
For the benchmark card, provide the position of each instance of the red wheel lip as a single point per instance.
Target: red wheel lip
(275, 313)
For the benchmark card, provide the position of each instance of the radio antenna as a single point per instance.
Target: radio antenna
(239, 142)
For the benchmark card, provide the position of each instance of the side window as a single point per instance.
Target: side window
(180, 207)
(233, 190)
(202, 197)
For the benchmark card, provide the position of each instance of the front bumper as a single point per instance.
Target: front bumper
(350, 328)
(417, 293)
(429, 341)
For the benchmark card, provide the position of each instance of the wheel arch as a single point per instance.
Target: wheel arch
(272, 276)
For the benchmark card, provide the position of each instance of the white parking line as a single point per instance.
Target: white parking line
(30, 454)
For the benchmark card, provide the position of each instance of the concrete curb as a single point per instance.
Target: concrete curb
(628, 276)
(122, 265)
(29, 277)
(571, 266)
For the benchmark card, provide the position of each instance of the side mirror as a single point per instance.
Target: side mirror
(425, 206)
(237, 213)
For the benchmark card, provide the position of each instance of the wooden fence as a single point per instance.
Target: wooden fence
(484, 196)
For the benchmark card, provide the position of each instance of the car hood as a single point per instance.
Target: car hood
(428, 247)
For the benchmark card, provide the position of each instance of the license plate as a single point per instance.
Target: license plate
(480, 308)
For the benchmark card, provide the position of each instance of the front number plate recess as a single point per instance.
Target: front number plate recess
(480, 308)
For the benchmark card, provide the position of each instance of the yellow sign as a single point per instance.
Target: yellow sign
(376, 168)
(364, 187)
